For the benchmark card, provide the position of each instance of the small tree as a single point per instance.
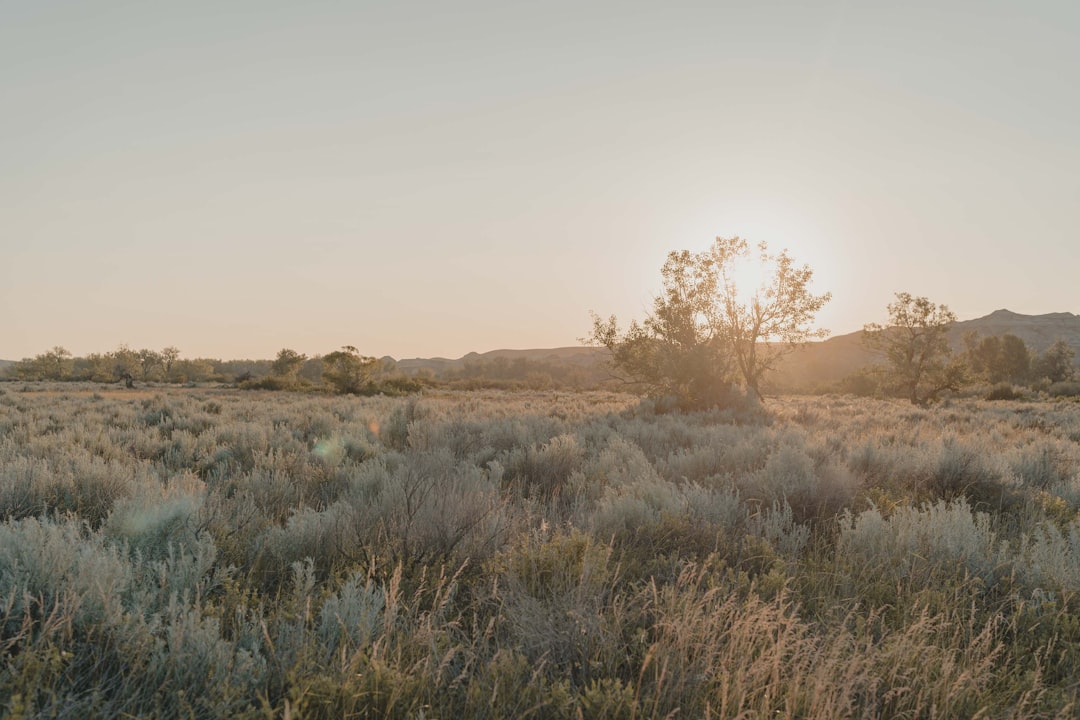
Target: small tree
(151, 365)
(288, 363)
(193, 370)
(1055, 363)
(127, 365)
(54, 364)
(350, 372)
(98, 368)
(915, 343)
(169, 356)
(1004, 358)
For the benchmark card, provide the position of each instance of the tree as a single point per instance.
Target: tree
(676, 351)
(95, 367)
(998, 358)
(169, 356)
(127, 365)
(54, 364)
(349, 371)
(915, 343)
(704, 333)
(193, 370)
(151, 365)
(1055, 363)
(288, 363)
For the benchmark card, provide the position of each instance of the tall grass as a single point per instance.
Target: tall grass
(206, 554)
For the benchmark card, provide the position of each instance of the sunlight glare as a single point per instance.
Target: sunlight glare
(780, 225)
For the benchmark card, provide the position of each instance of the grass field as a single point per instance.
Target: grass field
(214, 553)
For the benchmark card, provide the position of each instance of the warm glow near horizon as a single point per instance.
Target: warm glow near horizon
(433, 179)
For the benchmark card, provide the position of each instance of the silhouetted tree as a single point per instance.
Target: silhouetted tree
(703, 332)
(915, 344)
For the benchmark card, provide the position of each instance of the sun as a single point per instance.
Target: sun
(749, 275)
(780, 225)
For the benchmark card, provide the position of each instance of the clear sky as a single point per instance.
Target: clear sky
(432, 178)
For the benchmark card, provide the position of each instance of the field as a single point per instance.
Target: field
(204, 553)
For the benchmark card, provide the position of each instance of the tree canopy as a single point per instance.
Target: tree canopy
(915, 344)
(348, 371)
(706, 333)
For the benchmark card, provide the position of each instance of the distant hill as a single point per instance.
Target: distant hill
(1038, 331)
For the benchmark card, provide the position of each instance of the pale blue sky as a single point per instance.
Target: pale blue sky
(422, 179)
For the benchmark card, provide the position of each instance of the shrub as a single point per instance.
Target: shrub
(554, 590)
(942, 540)
(1002, 391)
(544, 470)
(213, 554)
(1068, 388)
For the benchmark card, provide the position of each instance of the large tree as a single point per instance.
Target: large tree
(706, 331)
(915, 344)
(677, 351)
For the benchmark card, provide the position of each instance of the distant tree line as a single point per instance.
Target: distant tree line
(344, 371)
(130, 366)
(121, 365)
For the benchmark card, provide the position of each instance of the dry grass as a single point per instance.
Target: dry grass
(196, 552)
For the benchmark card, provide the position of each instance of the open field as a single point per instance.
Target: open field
(214, 553)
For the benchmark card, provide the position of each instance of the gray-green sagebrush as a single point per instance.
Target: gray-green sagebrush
(211, 553)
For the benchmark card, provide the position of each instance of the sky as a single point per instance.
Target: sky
(423, 179)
